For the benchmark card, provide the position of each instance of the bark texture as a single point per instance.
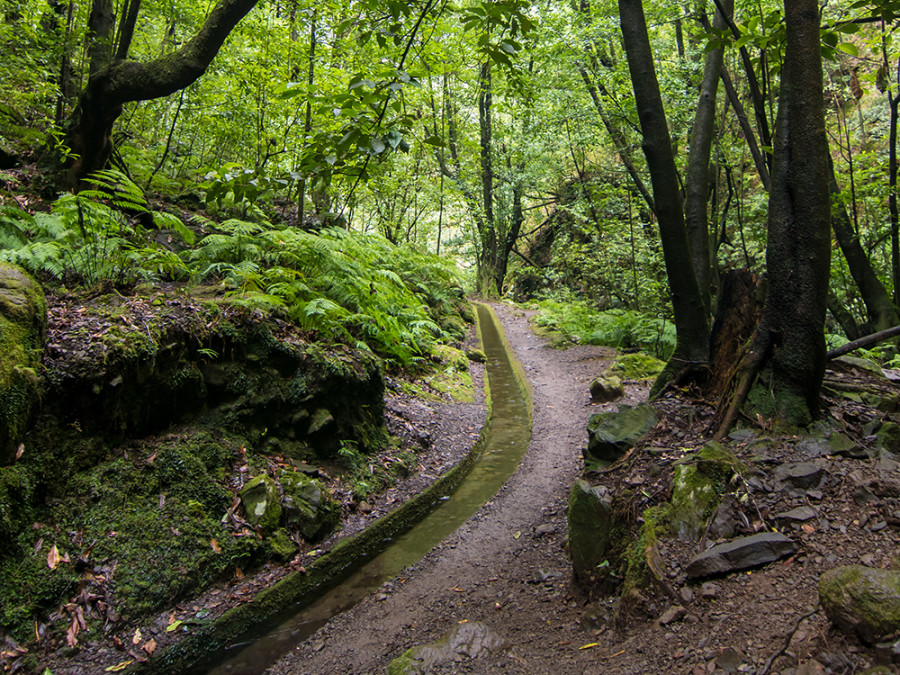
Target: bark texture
(692, 348)
(799, 241)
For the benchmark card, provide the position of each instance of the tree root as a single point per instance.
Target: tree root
(787, 642)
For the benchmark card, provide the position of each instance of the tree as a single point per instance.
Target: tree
(114, 80)
(692, 348)
(790, 338)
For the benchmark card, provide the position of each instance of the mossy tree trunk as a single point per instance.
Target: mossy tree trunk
(790, 338)
(115, 81)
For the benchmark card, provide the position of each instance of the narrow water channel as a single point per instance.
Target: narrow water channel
(505, 444)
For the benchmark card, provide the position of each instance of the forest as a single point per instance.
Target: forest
(255, 206)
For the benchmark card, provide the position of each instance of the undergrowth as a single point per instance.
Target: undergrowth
(347, 287)
(619, 328)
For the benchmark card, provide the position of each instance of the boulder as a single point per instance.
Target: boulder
(305, 506)
(261, 504)
(612, 434)
(862, 600)
(741, 554)
(467, 640)
(606, 389)
(590, 528)
(23, 324)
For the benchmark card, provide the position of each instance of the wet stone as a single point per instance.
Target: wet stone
(800, 474)
(741, 554)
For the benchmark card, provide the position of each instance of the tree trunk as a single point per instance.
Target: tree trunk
(489, 244)
(799, 241)
(697, 178)
(881, 311)
(111, 86)
(692, 347)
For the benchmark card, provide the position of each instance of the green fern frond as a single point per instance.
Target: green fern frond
(169, 221)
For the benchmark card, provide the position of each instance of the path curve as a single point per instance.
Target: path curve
(507, 565)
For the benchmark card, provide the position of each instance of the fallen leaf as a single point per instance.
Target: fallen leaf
(119, 666)
(136, 639)
(215, 546)
(149, 646)
(808, 528)
(590, 645)
(173, 626)
(72, 633)
(517, 534)
(53, 558)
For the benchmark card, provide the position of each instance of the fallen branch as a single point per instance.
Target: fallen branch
(864, 341)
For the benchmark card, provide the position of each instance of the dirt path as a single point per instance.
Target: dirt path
(506, 566)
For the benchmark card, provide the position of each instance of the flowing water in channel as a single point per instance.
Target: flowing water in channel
(506, 441)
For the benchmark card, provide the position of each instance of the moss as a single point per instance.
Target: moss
(405, 664)
(639, 561)
(30, 590)
(23, 324)
(637, 366)
(16, 505)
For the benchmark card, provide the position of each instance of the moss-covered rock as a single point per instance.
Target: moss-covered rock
(694, 498)
(469, 640)
(606, 389)
(637, 366)
(261, 503)
(590, 518)
(862, 600)
(306, 506)
(23, 323)
(612, 434)
(698, 484)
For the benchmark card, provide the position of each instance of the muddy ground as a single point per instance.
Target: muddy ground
(507, 567)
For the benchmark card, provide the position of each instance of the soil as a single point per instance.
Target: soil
(507, 567)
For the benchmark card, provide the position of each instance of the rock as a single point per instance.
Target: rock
(590, 521)
(686, 593)
(471, 639)
(800, 514)
(607, 389)
(888, 436)
(862, 600)
(800, 474)
(261, 504)
(545, 529)
(694, 497)
(710, 591)
(321, 419)
(305, 505)
(612, 434)
(671, 615)
(740, 554)
(23, 324)
(730, 659)
(476, 355)
(725, 521)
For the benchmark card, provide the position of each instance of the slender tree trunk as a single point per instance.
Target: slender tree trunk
(697, 177)
(489, 242)
(307, 124)
(881, 311)
(692, 348)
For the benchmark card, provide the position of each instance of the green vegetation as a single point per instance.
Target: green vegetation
(624, 329)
